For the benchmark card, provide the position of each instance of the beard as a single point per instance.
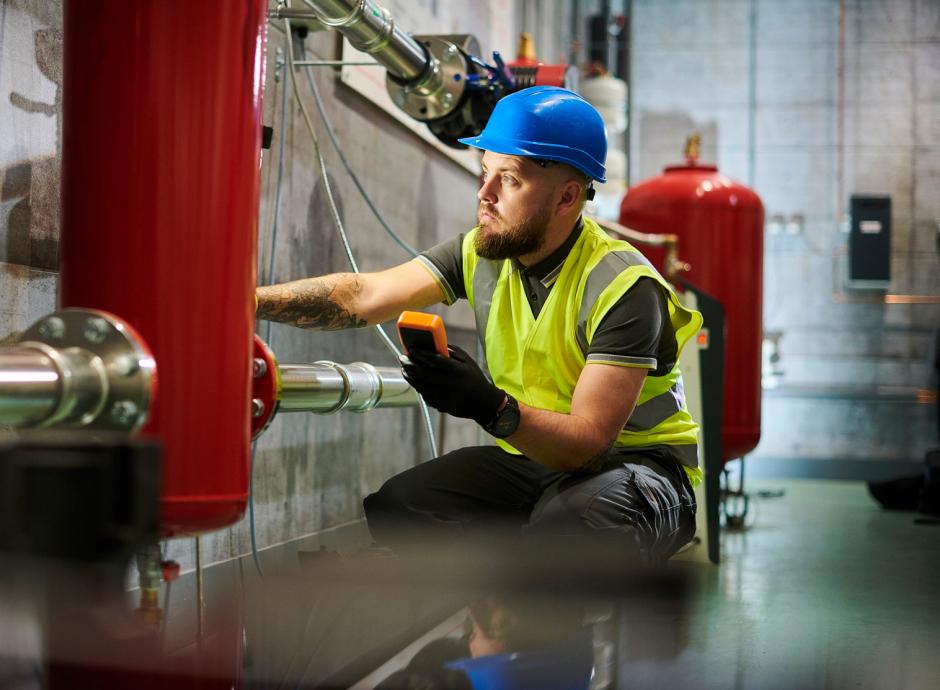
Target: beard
(512, 241)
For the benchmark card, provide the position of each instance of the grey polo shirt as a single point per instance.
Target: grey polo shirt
(636, 332)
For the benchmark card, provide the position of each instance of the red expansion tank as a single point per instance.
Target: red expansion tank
(160, 157)
(720, 225)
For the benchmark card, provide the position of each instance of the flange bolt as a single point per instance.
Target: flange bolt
(257, 407)
(124, 412)
(52, 328)
(125, 365)
(96, 329)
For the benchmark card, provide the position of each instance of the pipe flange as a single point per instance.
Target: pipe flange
(440, 90)
(107, 371)
(265, 387)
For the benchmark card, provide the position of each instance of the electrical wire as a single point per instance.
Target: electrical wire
(355, 178)
(269, 274)
(251, 512)
(268, 278)
(338, 222)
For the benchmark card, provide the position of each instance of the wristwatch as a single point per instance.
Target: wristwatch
(506, 421)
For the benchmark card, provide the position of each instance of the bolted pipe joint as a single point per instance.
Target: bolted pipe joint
(77, 368)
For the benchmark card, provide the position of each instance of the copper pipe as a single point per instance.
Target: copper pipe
(673, 266)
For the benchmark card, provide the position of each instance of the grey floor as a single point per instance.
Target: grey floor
(822, 590)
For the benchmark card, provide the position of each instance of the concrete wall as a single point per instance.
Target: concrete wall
(311, 471)
(775, 128)
(760, 80)
(30, 105)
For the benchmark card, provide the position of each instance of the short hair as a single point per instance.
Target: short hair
(579, 175)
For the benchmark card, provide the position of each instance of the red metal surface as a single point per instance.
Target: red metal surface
(265, 386)
(161, 144)
(720, 224)
(550, 75)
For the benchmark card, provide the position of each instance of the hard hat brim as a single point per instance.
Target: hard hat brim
(542, 151)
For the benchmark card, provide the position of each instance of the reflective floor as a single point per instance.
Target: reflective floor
(822, 589)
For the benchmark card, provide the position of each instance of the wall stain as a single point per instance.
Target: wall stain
(32, 226)
(318, 251)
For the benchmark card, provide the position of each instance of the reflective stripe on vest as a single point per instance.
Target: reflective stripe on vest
(484, 285)
(612, 265)
(657, 410)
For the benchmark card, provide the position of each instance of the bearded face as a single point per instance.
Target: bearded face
(498, 239)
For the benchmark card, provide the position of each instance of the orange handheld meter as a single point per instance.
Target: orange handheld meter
(420, 332)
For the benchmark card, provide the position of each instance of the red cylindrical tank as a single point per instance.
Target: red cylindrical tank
(161, 145)
(720, 225)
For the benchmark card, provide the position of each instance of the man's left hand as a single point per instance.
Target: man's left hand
(455, 384)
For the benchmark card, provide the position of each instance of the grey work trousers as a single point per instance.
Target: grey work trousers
(641, 497)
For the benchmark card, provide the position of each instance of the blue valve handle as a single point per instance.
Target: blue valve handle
(499, 74)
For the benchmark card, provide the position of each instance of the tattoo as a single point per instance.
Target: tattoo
(316, 303)
(597, 462)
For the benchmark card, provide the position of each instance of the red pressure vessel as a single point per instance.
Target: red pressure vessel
(720, 225)
(160, 182)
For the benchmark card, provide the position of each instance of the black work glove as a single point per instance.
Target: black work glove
(455, 384)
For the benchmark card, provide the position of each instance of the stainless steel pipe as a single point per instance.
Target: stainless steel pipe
(29, 387)
(44, 386)
(76, 368)
(326, 387)
(371, 29)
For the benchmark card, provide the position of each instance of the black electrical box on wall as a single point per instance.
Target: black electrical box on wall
(870, 241)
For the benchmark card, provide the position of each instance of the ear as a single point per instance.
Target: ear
(570, 195)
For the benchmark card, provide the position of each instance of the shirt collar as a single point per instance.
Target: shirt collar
(547, 270)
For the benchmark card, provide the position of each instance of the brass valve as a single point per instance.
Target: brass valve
(693, 148)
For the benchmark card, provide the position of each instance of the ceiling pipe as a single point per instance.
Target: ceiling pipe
(370, 29)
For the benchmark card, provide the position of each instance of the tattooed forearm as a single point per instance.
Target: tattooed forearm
(328, 303)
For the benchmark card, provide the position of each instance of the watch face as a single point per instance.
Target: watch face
(508, 420)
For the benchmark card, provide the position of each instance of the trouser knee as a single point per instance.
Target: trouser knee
(634, 504)
(387, 506)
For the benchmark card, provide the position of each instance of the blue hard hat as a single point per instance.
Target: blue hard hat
(547, 123)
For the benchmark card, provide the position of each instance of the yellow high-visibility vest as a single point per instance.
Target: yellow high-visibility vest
(538, 360)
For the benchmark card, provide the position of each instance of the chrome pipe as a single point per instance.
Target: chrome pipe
(30, 387)
(291, 13)
(77, 376)
(334, 63)
(325, 387)
(76, 368)
(371, 29)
